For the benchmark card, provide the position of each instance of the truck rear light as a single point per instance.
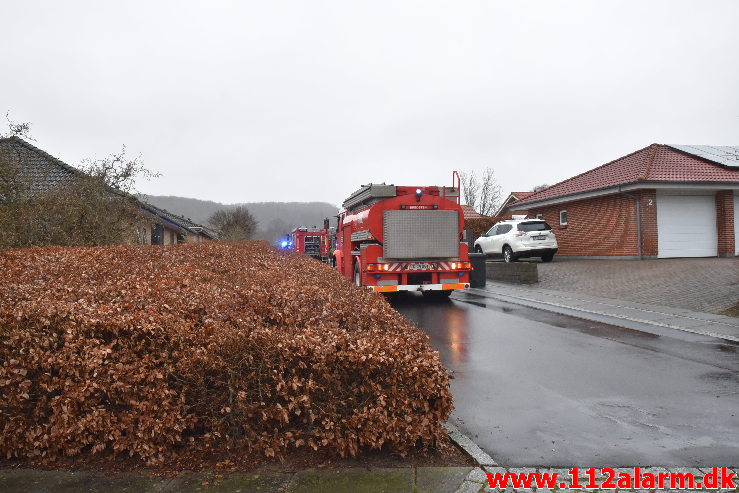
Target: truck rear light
(461, 265)
(371, 267)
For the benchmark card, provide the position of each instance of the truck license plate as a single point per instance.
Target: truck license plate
(424, 266)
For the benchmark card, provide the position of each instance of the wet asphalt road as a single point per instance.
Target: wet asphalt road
(533, 388)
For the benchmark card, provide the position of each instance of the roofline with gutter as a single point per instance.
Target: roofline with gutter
(635, 185)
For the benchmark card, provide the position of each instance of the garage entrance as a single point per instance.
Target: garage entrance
(686, 226)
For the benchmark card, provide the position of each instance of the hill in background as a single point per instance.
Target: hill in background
(275, 219)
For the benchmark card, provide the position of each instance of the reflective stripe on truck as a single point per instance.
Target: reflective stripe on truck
(418, 287)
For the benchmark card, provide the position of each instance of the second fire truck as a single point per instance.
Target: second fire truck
(393, 238)
(314, 242)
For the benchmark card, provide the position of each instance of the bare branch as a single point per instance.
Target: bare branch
(118, 171)
(235, 224)
(482, 193)
(18, 129)
(470, 187)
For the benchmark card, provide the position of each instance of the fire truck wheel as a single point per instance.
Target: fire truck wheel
(357, 275)
(436, 295)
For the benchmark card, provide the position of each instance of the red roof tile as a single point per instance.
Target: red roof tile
(521, 195)
(470, 212)
(653, 163)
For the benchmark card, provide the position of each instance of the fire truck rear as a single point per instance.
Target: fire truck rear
(314, 242)
(393, 238)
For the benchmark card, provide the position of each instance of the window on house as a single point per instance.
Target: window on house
(157, 234)
(563, 218)
(540, 216)
(171, 238)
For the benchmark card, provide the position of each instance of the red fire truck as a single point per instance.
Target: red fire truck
(314, 242)
(392, 238)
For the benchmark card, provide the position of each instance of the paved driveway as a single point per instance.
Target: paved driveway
(704, 284)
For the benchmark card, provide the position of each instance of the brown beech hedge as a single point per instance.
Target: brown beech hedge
(152, 351)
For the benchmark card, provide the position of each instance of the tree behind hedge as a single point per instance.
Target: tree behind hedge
(235, 224)
(92, 207)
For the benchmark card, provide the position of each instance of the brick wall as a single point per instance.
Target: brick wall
(648, 202)
(725, 223)
(606, 226)
(602, 225)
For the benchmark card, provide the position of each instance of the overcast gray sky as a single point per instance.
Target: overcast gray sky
(305, 100)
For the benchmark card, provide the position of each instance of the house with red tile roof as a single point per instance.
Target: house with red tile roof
(471, 213)
(661, 201)
(505, 208)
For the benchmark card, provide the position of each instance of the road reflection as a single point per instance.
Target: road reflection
(536, 388)
(444, 321)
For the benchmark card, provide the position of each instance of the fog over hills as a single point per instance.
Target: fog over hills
(275, 219)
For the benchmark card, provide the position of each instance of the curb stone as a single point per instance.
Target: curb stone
(470, 447)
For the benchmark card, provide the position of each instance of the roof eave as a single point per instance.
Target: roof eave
(634, 185)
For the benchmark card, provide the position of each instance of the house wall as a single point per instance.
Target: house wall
(725, 223)
(598, 226)
(606, 226)
(649, 236)
(144, 233)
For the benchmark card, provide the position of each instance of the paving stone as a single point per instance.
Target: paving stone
(470, 487)
(36, 481)
(230, 483)
(495, 469)
(702, 285)
(477, 475)
(353, 480)
(440, 479)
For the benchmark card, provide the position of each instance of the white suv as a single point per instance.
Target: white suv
(518, 238)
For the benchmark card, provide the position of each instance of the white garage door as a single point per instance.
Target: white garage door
(736, 221)
(686, 226)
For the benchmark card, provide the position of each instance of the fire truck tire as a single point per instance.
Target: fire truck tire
(436, 295)
(357, 274)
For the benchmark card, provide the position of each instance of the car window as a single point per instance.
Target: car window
(504, 228)
(491, 231)
(534, 226)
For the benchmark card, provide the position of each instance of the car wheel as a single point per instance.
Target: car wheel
(357, 274)
(508, 254)
(478, 249)
(547, 257)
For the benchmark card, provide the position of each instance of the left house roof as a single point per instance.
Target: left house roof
(41, 170)
(44, 172)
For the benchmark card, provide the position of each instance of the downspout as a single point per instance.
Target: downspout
(638, 219)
